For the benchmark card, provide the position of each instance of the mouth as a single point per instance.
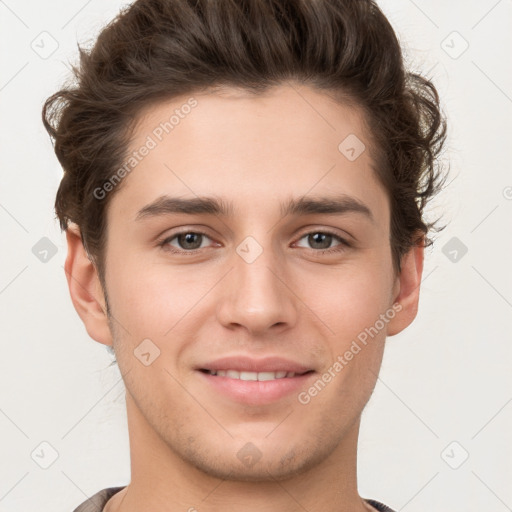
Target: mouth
(254, 376)
(254, 388)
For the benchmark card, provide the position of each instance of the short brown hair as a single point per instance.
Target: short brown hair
(156, 50)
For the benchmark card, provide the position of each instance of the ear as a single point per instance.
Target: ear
(406, 291)
(85, 288)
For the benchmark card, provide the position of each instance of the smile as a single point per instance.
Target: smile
(254, 388)
(260, 376)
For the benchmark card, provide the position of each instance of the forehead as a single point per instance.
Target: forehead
(289, 140)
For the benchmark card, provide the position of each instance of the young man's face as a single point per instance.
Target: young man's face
(257, 283)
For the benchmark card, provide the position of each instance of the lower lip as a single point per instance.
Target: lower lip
(254, 392)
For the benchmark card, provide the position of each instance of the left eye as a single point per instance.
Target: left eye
(321, 240)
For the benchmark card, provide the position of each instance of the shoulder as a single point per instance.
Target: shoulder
(379, 506)
(96, 502)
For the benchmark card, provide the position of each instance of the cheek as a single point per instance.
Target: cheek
(353, 301)
(352, 308)
(150, 297)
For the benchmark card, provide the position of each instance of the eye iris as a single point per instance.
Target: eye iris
(190, 240)
(324, 239)
(193, 240)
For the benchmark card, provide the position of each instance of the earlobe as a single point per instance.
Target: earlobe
(85, 288)
(408, 289)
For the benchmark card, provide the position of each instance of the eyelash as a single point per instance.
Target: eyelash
(342, 246)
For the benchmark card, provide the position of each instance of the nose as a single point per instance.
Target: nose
(258, 296)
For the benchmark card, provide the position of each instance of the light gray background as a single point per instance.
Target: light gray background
(445, 379)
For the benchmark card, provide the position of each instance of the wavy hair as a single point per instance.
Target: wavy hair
(155, 50)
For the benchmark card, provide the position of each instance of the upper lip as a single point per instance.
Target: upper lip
(248, 364)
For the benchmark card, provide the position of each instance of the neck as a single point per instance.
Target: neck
(162, 481)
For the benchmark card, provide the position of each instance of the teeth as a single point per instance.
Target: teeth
(261, 376)
(266, 375)
(248, 376)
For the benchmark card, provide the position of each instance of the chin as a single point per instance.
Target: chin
(251, 465)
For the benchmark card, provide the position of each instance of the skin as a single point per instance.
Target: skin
(292, 301)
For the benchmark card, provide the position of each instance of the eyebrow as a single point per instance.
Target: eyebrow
(333, 205)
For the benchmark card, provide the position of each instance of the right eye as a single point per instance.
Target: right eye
(184, 242)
